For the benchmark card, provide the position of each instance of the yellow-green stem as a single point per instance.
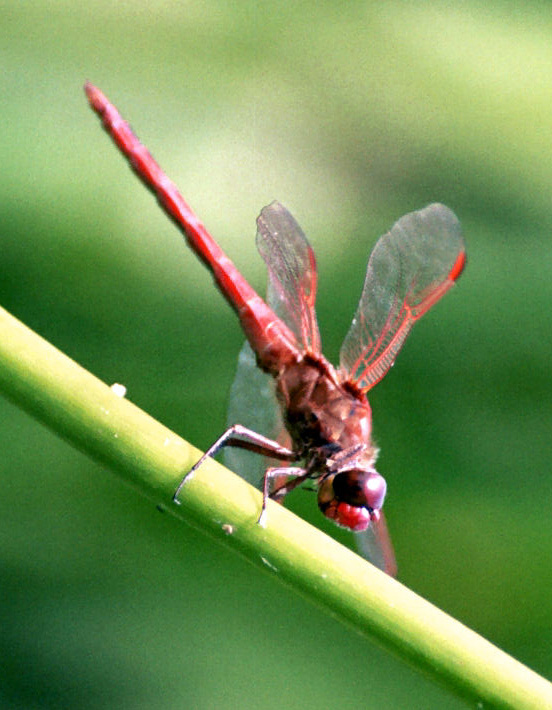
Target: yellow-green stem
(90, 415)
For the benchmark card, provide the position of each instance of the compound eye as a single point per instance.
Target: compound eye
(360, 488)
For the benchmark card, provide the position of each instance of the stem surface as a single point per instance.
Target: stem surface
(91, 416)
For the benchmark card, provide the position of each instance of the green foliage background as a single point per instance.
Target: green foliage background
(351, 114)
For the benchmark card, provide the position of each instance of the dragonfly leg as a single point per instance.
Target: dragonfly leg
(243, 438)
(297, 476)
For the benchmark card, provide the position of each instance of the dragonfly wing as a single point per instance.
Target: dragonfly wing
(410, 269)
(291, 288)
(252, 403)
(291, 271)
(374, 544)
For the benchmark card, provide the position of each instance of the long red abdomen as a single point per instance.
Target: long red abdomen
(270, 338)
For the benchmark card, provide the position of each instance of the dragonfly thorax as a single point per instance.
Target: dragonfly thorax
(319, 411)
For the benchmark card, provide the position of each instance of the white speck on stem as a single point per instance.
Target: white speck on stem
(119, 390)
(268, 564)
(228, 529)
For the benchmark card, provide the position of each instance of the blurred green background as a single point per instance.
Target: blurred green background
(351, 114)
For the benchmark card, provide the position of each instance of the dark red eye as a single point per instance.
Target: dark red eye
(360, 488)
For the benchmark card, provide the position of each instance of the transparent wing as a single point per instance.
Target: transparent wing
(292, 282)
(374, 544)
(410, 269)
(252, 403)
(291, 271)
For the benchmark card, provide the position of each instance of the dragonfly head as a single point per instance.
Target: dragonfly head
(352, 498)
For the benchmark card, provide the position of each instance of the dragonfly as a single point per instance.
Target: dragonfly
(320, 418)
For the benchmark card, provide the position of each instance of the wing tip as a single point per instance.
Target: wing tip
(458, 266)
(274, 206)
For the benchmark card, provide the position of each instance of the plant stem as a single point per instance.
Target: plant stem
(88, 413)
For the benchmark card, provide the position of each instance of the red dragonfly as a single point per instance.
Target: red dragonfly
(324, 410)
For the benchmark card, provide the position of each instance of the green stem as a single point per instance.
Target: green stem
(89, 414)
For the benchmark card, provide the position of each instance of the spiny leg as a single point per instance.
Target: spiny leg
(297, 476)
(251, 441)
